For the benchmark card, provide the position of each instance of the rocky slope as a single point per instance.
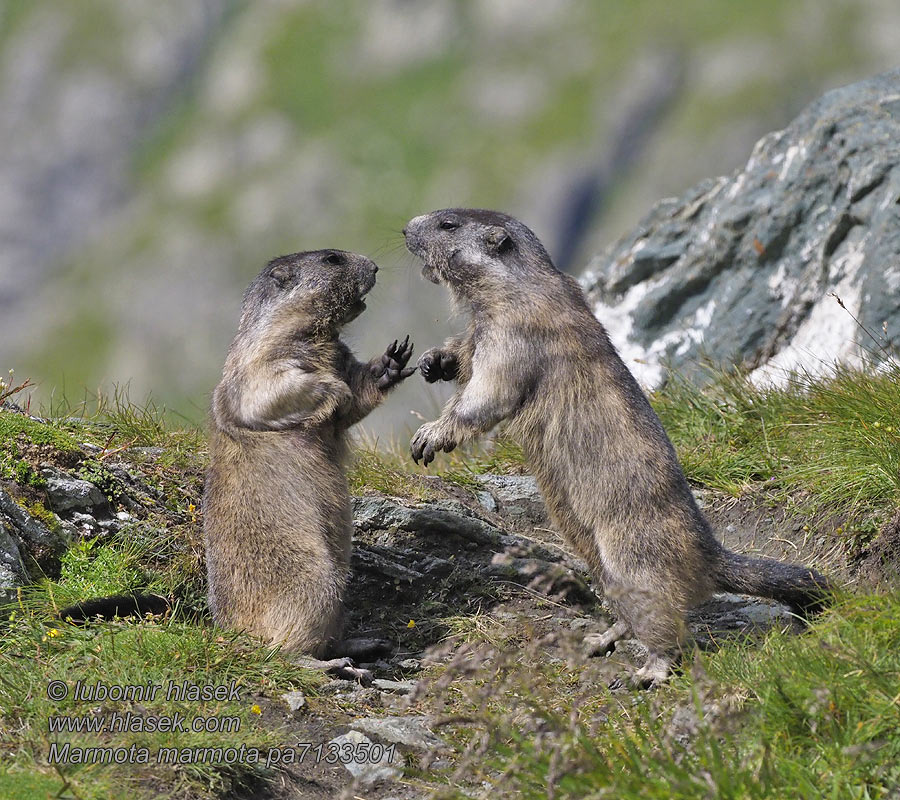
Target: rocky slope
(434, 563)
(462, 572)
(791, 263)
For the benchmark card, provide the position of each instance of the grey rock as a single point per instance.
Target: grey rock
(84, 521)
(441, 518)
(553, 579)
(410, 664)
(35, 541)
(395, 687)
(295, 700)
(364, 769)
(488, 501)
(67, 494)
(409, 730)
(149, 452)
(445, 547)
(743, 268)
(728, 613)
(369, 559)
(12, 570)
(517, 497)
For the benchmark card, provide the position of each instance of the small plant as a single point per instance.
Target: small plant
(9, 388)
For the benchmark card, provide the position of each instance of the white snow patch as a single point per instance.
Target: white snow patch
(892, 279)
(703, 315)
(827, 337)
(889, 199)
(776, 279)
(618, 323)
(644, 361)
(736, 186)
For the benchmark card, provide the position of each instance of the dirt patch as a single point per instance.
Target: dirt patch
(754, 526)
(880, 563)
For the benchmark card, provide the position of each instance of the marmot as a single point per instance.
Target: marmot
(536, 356)
(276, 507)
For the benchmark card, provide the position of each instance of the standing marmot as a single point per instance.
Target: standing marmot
(276, 509)
(535, 355)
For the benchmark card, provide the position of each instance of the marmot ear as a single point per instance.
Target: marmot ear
(498, 240)
(280, 277)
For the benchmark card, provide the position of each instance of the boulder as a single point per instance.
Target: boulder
(68, 494)
(38, 545)
(12, 570)
(365, 769)
(790, 263)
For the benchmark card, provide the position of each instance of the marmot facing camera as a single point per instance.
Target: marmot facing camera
(535, 355)
(276, 508)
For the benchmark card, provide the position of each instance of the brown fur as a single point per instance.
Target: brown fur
(276, 507)
(535, 355)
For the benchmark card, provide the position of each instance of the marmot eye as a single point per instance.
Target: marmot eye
(448, 225)
(334, 258)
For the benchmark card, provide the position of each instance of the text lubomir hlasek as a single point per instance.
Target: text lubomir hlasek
(148, 692)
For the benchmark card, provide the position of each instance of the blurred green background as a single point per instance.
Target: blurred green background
(156, 153)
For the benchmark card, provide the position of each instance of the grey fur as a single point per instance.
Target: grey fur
(276, 508)
(535, 356)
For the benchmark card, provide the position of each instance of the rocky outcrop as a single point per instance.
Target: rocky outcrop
(791, 263)
(445, 548)
(27, 546)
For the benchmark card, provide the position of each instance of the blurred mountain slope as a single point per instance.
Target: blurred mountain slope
(156, 155)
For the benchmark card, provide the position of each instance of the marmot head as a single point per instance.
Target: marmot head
(473, 250)
(319, 290)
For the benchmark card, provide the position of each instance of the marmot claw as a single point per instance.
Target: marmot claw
(392, 369)
(436, 365)
(427, 441)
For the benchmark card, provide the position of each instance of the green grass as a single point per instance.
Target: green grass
(25, 442)
(158, 549)
(380, 471)
(388, 468)
(822, 445)
(815, 715)
(36, 650)
(786, 716)
(832, 444)
(54, 435)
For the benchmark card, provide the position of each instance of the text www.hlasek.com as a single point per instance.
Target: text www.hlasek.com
(127, 722)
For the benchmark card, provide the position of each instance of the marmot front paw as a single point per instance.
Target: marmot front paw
(428, 440)
(437, 365)
(392, 369)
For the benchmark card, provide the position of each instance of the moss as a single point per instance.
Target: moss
(20, 472)
(13, 426)
(102, 478)
(40, 512)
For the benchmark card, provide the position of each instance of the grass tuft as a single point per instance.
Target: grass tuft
(832, 444)
(791, 716)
